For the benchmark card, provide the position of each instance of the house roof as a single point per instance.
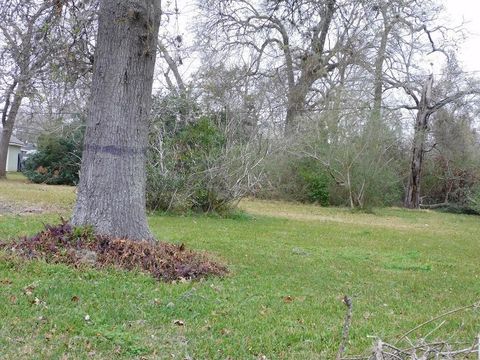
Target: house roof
(15, 142)
(28, 147)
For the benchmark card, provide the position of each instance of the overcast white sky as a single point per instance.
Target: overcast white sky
(469, 10)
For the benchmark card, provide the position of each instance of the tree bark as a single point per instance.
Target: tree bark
(111, 194)
(295, 106)
(412, 196)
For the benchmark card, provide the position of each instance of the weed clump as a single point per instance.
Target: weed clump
(80, 246)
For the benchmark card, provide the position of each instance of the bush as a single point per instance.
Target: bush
(58, 159)
(316, 181)
(196, 168)
(474, 200)
(175, 173)
(293, 179)
(343, 174)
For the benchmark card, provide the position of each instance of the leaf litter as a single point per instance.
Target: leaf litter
(80, 246)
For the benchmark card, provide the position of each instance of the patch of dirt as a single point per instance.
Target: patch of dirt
(80, 246)
(8, 208)
(5, 208)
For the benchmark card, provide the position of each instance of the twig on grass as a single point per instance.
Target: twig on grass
(436, 318)
(346, 327)
(418, 350)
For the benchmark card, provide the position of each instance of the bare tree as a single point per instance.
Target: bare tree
(304, 41)
(410, 30)
(26, 47)
(395, 24)
(425, 107)
(111, 193)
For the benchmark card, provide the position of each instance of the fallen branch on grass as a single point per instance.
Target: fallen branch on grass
(434, 206)
(421, 350)
(346, 327)
(471, 306)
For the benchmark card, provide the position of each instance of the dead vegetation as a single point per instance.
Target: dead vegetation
(80, 246)
(422, 351)
(415, 350)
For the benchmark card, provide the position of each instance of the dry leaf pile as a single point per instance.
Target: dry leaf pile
(80, 246)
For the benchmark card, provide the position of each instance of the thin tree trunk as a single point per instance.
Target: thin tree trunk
(172, 65)
(412, 196)
(350, 193)
(378, 80)
(4, 141)
(111, 194)
(8, 120)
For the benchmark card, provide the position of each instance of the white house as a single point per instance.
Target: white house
(13, 154)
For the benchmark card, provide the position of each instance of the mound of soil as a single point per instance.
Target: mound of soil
(80, 246)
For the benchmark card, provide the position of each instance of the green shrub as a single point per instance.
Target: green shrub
(57, 161)
(198, 143)
(182, 175)
(474, 200)
(346, 172)
(316, 181)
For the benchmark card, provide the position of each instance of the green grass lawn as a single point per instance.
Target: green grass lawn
(290, 265)
(17, 191)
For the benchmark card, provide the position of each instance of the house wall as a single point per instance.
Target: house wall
(12, 157)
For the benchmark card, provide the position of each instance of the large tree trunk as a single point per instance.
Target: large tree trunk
(8, 120)
(297, 95)
(412, 195)
(295, 108)
(314, 66)
(111, 194)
